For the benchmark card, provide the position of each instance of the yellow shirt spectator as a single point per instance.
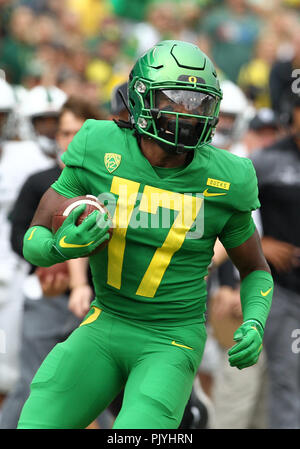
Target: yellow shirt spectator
(254, 81)
(254, 76)
(90, 13)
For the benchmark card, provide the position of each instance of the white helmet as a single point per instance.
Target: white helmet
(234, 103)
(43, 101)
(7, 97)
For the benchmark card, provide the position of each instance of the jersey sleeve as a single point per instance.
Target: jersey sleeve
(246, 194)
(237, 230)
(75, 154)
(70, 183)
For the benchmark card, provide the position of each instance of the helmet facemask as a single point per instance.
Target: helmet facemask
(180, 118)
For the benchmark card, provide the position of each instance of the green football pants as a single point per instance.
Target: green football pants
(81, 376)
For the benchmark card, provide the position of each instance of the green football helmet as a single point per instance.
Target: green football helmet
(174, 96)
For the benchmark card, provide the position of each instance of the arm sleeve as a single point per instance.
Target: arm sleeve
(75, 154)
(237, 230)
(256, 296)
(38, 248)
(246, 195)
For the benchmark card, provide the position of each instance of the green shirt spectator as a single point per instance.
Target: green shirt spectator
(232, 34)
(17, 47)
(131, 9)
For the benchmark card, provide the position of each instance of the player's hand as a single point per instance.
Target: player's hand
(80, 300)
(73, 241)
(54, 280)
(54, 284)
(249, 345)
(226, 303)
(282, 255)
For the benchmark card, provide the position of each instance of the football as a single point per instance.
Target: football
(92, 203)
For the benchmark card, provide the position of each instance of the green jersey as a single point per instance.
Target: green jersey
(165, 227)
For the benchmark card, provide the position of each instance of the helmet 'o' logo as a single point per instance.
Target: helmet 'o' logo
(112, 161)
(193, 79)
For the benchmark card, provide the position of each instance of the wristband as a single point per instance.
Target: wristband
(258, 326)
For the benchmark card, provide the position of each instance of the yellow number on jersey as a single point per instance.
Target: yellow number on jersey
(188, 208)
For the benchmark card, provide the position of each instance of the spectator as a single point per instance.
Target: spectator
(254, 76)
(232, 32)
(263, 130)
(163, 20)
(133, 10)
(107, 67)
(278, 172)
(90, 14)
(6, 9)
(282, 74)
(17, 48)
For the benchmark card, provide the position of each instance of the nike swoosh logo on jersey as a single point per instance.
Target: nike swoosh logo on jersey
(31, 235)
(265, 293)
(181, 346)
(64, 244)
(206, 193)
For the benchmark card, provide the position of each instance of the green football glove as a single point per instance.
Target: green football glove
(249, 344)
(72, 241)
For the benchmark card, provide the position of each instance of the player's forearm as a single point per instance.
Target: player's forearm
(38, 247)
(78, 269)
(256, 296)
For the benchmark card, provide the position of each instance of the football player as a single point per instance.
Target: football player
(171, 194)
(40, 108)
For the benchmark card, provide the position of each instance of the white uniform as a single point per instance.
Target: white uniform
(18, 161)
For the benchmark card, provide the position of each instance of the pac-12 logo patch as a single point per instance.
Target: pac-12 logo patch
(112, 161)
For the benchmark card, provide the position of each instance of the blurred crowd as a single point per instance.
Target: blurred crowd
(61, 62)
(86, 47)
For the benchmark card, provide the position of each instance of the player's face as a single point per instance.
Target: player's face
(187, 126)
(68, 126)
(46, 126)
(266, 137)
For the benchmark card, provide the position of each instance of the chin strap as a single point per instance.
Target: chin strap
(124, 124)
(129, 125)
